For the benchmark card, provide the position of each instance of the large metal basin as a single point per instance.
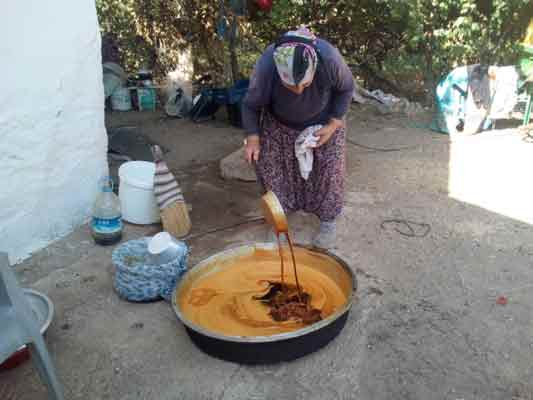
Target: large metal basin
(274, 348)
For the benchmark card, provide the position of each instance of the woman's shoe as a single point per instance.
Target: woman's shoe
(327, 235)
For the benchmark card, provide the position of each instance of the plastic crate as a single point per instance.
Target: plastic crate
(210, 100)
(146, 99)
(238, 91)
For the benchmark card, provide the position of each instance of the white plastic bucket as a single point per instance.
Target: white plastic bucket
(136, 193)
(121, 99)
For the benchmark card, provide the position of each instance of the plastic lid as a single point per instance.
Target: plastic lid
(138, 173)
(159, 243)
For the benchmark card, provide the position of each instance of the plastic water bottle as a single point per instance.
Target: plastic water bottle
(106, 221)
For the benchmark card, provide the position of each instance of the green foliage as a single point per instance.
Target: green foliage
(152, 33)
(410, 42)
(446, 34)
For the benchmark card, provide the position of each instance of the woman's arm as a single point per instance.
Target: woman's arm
(259, 93)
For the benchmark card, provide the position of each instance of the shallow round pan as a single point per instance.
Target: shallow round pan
(42, 308)
(274, 348)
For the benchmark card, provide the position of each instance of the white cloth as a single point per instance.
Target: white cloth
(303, 148)
(504, 87)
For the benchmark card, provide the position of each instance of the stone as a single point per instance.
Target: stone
(235, 166)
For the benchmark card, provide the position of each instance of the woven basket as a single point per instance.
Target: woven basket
(137, 280)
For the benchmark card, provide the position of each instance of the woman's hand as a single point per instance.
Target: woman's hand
(252, 148)
(327, 131)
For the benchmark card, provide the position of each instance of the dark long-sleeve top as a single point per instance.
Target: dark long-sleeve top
(328, 96)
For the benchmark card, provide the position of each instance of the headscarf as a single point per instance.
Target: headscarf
(295, 61)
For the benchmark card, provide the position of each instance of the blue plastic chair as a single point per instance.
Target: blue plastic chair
(19, 327)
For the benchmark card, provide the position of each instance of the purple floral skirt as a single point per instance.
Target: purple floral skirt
(277, 170)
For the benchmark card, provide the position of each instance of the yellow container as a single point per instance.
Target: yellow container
(528, 40)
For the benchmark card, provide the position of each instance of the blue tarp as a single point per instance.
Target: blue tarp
(450, 100)
(470, 98)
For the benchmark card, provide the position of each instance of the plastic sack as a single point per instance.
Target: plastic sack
(178, 105)
(114, 78)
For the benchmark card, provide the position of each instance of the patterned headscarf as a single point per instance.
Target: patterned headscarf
(295, 61)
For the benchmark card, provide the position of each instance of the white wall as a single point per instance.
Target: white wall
(53, 142)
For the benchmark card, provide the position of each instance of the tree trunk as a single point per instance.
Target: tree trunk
(232, 50)
(429, 81)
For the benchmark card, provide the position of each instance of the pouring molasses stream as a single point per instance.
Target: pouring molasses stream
(285, 301)
(275, 216)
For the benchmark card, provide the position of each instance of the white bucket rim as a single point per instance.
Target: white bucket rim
(132, 181)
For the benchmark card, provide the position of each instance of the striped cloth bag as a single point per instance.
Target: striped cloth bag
(169, 197)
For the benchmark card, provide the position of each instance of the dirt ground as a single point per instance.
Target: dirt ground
(426, 325)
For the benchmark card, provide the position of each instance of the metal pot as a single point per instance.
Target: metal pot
(266, 349)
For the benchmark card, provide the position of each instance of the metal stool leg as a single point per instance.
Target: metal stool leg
(43, 363)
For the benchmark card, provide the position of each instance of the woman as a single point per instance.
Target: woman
(300, 81)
